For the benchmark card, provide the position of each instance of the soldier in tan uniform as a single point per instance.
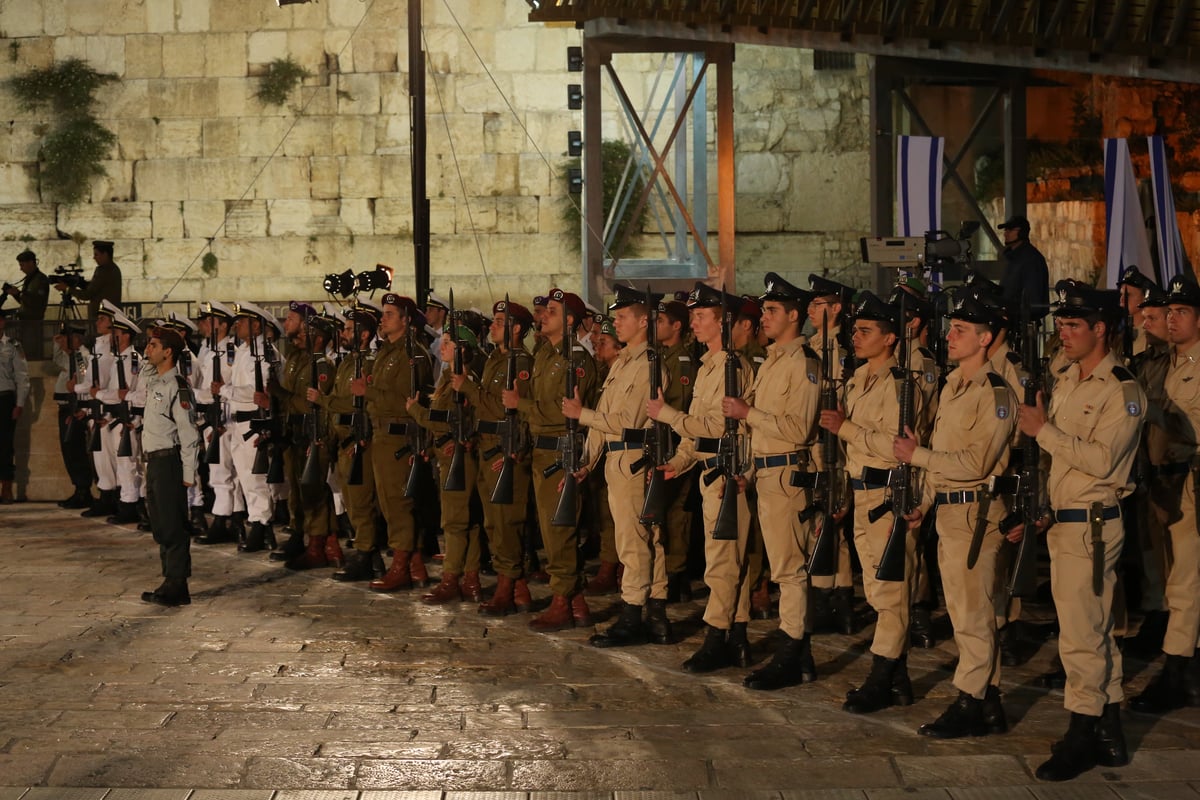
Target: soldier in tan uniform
(547, 425)
(781, 414)
(747, 325)
(607, 579)
(677, 360)
(727, 612)
(503, 521)
(1173, 420)
(1091, 435)
(616, 431)
(968, 446)
(833, 599)
(868, 428)
(399, 359)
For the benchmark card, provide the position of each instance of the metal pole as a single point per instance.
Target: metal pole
(416, 111)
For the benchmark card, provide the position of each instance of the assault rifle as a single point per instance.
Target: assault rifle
(213, 415)
(125, 448)
(260, 426)
(456, 474)
(1028, 510)
(900, 481)
(358, 418)
(829, 483)
(313, 475)
(97, 407)
(570, 444)
(656, 446)
(417, 442)
(729, 451)
(510, 436)
(75, 363)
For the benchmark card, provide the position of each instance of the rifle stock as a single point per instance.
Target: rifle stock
(658, 436)
(892, 560)
(456, 474)
(566, 513)
(503, 492)
(729, 456)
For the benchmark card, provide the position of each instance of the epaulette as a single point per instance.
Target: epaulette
(926, 352)
(812, 363)
(186, 398)
(1000, 394)
(1013, 357)
(1130, 390)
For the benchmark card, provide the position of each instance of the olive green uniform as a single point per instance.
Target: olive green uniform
(681, 374)
(309, 506)
(339, 405)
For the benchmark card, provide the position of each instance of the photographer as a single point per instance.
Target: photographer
(104, 285)
(33, 294)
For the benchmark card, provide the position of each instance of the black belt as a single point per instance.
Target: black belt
(344, 419)
(245, 416)
(781, 460)
(137, 411)
(204, 408)
(618, 445)
(63, 397)
(1082, 514)
(490, 426)
(954, 498)
(1171, 468)
(8, 392)
(546, 442)
(166, 452)
(399, 428)
(707, 444)
(632, 436)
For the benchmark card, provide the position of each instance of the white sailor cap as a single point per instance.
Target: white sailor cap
(109, 308)
(125, 323)
(215, 308)
(435, 300)
(180, 321)
(252, 310)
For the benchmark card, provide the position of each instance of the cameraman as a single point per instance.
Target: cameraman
(104, 285)
(1026, 279)
(33, 295)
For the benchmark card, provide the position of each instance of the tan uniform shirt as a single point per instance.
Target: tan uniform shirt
(872, 418)
(784, 400)
(1152, 375)
(704, 418)
(622, 402)
(1180, 408)
(1092, 435)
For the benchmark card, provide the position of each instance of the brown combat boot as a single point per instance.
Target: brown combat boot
(6, 492)
(445, 592)
(501, 603)
(557, 617)
(580, 611)
(471, 589)
(605, 581)
(333, 552)
(522, 599)
(312, 557)
(397, 577)
(416, 566)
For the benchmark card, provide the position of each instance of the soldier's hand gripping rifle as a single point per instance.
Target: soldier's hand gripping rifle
(828, 485)
(510, 437)
(313, 475)
(656, 447)
(729, 451)
(570, 444)
(417, 442)
(260, 426)
(74, 364)
(97, 406)
(358, 418)
(901, 500)
(213, 415)
(456, 474)
(1028, 510)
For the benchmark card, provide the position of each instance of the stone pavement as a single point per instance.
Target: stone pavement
(290, 686)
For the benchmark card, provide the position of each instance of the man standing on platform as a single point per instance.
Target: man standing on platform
(33, 296)
(105, 283)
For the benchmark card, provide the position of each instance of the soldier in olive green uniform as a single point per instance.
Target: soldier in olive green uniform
(547, 425)
(503, 521)
(399, 359)
(681, 378)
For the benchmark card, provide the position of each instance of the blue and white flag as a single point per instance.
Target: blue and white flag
(1171, 260)
(1125, 228)
(919, 184)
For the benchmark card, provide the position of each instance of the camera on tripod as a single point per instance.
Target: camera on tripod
(936, 250)
(71, 275)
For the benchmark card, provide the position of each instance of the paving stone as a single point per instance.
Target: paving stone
(148, 794)
(232, 794)
(991, 793)
(619, 774)
(323, 773)
(62, 793)
(25, 769)
(316, 794)
(389, 794)
(908, 793)
(974, 770)
(1071, 791)
(736, 794)
(822, 794)
(1155, 791)
(11, 792)
(814, 773)
(457, 774)
(486, 796)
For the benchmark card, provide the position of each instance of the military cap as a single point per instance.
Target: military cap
(1155, 298)
(125, 323)
(74, 329)
(573, 302)
(181, 323)
(1183, 291)
(405, 304)
(915, 285)
(542, 300)
(215, 308)
(303, 309)
(970, 308)
(1132, 276)
(103, 246)
(433, 299)
(1080, 300)
(605, 327)
(750, 308)
(705, 296)
(776, 288)
(682, 295)
(821, 286)
(519, 313)
(1015, 221)
(362, 315)
(108, 308)
(252, 310)
(629, 296)
(871, 307)
(591, 309)
(331, 322)
(26, 255)
(915, 305)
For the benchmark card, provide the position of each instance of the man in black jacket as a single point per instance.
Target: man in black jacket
(1026, 279)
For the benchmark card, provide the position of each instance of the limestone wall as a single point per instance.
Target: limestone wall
(289, 194)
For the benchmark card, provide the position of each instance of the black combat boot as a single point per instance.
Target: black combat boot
(358, 567)
(627, 630)
(127, 514)
(993, 711)
(143, 517)
(902, 691)
(713, 655)
(169, 593)
(791, 665)
(679, 588)
(739, 646)
(920, 627)
(658, 626)
(1110, 739)
(199, 521)
(256, 538)
(344, 528)
(843, 610)
(876, 691)
(1074, 754)
(292, 548)
(964, 717)
(821, 610)
(1167, 691)
(105, 504)
(218, 532)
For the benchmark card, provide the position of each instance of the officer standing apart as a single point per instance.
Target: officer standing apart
(171, 445)
(14, 391)
(1091, 435)
(968, 446)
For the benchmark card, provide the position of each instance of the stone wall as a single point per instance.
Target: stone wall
(321, 184)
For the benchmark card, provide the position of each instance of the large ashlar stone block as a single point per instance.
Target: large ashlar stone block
(143, 56)
(396, 175)
(393, 93)
(246, 218)
(18, 183)
(180, 138)
(263, 47)
(219, 178)
(115, 185)
(183, 55)
(166, 259)
(106, 53)
(822, 199)
(17, 21)
(193, 15)
(361, 94)
(20, 142)
(360, 176)
(183, 97)
(477, 93)
(291, 217)
(378, 49)
(307, 48)
(160, 16)
(535, 175)
(324, 177)
(479, 216)
(352, 135)
(345, 13)
(107, 220)
(503, 134)
(203, 219)
(235, 97)
(225, 55)
(516, 49)
(219, 138)
(309, 136)
(260, 136)
(19, 221)
(87, 17)
(762, 173)
(517, 214)
(167, 220)
(238, 15)
(461, 134)
(552, 48)
(358, 216)
(761, 213)
(160, 179)
(392, 135)
(393, 216)
(551, 219)
(443, 214)
(283, 178)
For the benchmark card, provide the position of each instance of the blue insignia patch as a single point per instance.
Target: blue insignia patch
(929, 377)
(1002, 412)
(1134, 409)
(812, 378)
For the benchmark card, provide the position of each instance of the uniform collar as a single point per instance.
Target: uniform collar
(786, 348)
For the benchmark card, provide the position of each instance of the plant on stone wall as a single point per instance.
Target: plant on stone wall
(282, 76)
(75, 144)
(208, 264)
(614, 156)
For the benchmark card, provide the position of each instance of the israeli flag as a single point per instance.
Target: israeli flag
(1125, 225)
(919, 184)
(1171, 260)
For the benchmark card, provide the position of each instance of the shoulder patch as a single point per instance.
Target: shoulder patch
(523, 375)
(930, 377)
(1000, 395)
(580, 371)
(1013, 357)
(684, 358)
